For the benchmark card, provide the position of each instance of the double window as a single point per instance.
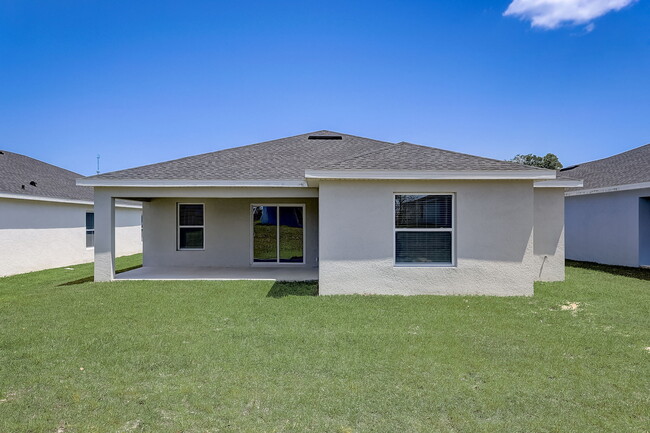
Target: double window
(90, 229)
(424, 229)
(278, 233)
(191, 226)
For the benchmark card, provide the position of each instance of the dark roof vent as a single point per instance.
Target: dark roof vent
(325, 137)
(32, 183)
(1, 152)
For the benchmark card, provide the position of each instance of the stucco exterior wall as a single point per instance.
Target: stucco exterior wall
(493, 238)
(548, 233)
(227, 232)
(37, 235)
(605, 228)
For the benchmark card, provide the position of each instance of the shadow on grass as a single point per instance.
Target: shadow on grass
(90, 278)
(638, 273)
(280, 289)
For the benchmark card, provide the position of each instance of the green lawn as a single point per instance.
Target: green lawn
(254, 356)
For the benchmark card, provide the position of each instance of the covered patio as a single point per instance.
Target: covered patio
(216, 273)
(214, 233)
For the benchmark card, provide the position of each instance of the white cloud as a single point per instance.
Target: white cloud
(550, 14)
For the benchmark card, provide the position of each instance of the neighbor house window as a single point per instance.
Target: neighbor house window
(191, 226)
(90, 229)
(424, 229)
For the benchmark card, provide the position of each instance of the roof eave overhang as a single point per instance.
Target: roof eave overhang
(313, 176)
(602, 190)
(558, 183)
(63, 200)
(155, 183)
(430, 175)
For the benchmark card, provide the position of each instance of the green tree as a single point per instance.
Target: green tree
(549, 161)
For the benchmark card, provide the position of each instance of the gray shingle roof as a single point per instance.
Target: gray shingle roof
(408, 156)
(18, 170)
(625, 168)
(288, 158)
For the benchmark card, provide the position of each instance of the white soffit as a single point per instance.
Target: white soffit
(64, 200)
(559, 183)
(605, 189)
(154, 183)
(431, 175)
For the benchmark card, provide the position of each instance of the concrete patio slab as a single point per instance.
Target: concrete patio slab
(284, 273)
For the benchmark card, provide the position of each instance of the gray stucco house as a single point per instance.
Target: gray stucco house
(608, 219)
(359, 215)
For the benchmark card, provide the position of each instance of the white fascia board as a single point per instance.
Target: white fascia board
(153, 183)
(63, 200)
(559, 183)
(605, 189)
(430, 175)
(135, 205)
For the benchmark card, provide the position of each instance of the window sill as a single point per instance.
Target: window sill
(271, 264)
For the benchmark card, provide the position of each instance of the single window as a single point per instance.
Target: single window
(90, 229)
(191, 226)
(424, 229)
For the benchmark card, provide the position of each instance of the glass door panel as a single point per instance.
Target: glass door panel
(291, 234)
(265, 234)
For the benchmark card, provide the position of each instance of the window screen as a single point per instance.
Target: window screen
(90, 229)
(423, 211)
(191, 226)
(424, 228)
(423, 247)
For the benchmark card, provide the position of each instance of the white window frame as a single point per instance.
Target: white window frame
(277, 246)
(89, 230)
(179, 227)
(452, 230)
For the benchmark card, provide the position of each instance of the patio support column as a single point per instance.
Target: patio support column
(104, 235)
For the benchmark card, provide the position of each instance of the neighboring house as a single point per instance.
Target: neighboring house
(608, 219)
(47, 221)
(359, 215)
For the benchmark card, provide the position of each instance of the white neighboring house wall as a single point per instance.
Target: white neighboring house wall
(610, 228)
(494, 238)
(37, 234)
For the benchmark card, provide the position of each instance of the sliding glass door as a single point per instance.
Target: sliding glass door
(278, 233)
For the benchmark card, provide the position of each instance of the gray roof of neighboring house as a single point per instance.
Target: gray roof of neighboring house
(288, 158)
(625, 168)
(18, 171)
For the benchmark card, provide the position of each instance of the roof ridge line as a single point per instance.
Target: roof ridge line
(202, 154)
(469, 154)
(607, 157)
(42, 162)
(369, 152)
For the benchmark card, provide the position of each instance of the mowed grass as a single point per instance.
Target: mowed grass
(264, 357)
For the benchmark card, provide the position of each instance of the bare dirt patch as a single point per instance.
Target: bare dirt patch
(573, 307)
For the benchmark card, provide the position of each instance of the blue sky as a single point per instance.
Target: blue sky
(142, 82)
